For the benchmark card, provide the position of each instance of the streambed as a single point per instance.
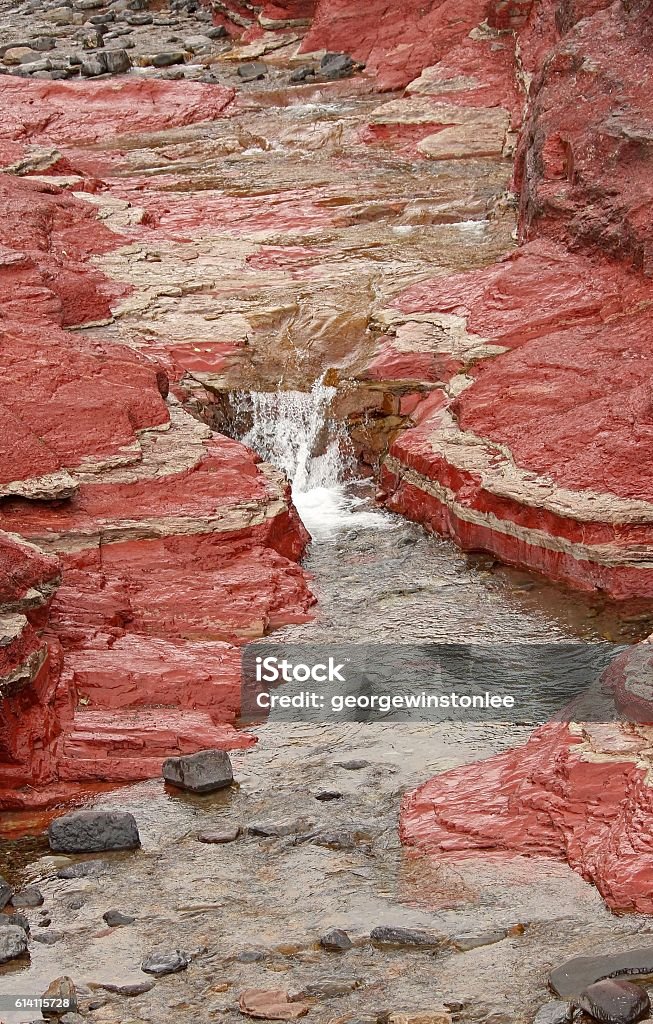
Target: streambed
(252, 911)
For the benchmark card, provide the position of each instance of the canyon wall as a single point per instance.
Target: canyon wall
(138, 550)
(540, 453)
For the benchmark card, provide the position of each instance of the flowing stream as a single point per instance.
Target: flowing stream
(295, 431)
(251, 910)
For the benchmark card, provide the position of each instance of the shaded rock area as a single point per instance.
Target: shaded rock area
(246, 918)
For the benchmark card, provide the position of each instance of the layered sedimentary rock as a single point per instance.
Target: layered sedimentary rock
(138, 548)
(395, 41)
(540, 454)
(537, 449)
(577, 790)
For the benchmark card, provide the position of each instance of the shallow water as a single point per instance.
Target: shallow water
(379, 579)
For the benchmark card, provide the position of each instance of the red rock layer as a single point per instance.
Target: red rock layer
(541, 454)
(578, 792)
(138, 550)
(396, 41)
(538, 449)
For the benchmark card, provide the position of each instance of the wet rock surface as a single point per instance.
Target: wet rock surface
(554, 1012)
(204, 772)
(13, 943)
(570, 979)
(254, 897)
(94, 831)
(621, 1002)
(201, 230)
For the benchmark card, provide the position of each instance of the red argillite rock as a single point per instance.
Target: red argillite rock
(138, 549)
(541, 453)
(396, 41)
(576, 790)
(537, 446)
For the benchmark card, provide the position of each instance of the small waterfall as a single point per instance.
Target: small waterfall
(296, 431)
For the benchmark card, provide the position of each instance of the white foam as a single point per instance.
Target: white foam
(295, 431)
(329, 511)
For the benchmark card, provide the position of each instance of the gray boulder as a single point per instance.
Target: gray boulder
(165, 961)
(117, 61)
(615, 1002)
(93, 65)
(204, 772)
(93, 832)
(6, 892)
(337, 65)
(28, 897)
(13, 943)
(15, 920)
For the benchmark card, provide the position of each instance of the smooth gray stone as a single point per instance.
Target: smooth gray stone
(204, 772)
(93, 832)
(116, 919)
(169, 961)
(574, 976)
(48, 938)
(219, 837)
(613, 1001)
(28, 897)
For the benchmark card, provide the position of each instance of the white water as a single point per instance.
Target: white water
(295, 431)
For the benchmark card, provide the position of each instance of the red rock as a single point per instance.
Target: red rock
(86, 111)
(28, 577)
(584, 159)
(169, 545)
(543, 460)
(582, 796)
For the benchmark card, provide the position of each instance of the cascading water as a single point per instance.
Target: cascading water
(295, 431)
